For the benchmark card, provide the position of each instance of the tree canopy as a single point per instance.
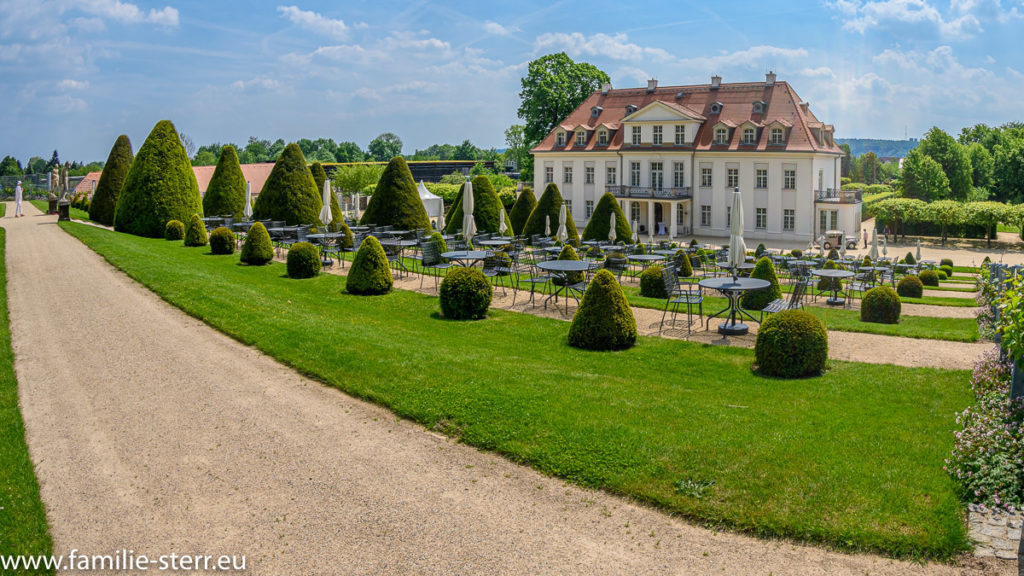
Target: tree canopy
(953, 158)
(385, 147)
(923, 178)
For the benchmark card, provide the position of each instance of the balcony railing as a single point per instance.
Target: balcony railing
(839, 196)
(648, 192)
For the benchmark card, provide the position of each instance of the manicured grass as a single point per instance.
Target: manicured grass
(852, 458)
(955, 287)
(23, 528)
(75, 213)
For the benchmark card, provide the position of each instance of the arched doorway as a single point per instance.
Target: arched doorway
(659, 222)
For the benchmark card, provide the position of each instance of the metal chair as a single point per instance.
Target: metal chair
(432, 260)
(686, 291)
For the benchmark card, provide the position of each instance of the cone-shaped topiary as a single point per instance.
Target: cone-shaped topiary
(833, 254)
(465, 294)
(370, 274)
(569, 253)
(486, 209)
(195, 232)
(866, 261)
(909, 259)
(160, 186)
(684, 267)
(222, 241)
(600, 221)
(603, 320)
(175, 230)
(437, 238)
(289, 193)
(520, 211)
(791, 344)
(929, 278)
(347, 238)
(825, 284)
(652, 285)
(396, 202)
(910, 287)
(303, 260)
(319, 177)
(226, 192)
(257, 249)
(548, 204)
(760, 250)
(880, 305)
(104, 199)
(758, 299)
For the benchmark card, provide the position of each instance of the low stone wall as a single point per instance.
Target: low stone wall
(995, 532)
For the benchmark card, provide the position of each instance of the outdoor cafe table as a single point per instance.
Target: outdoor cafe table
(465, 257)
(402, 245)
(494, 242)
(744, 266)
(666, 252)
(562, 269)
(733, 290)
(835, 300)
(646, 260)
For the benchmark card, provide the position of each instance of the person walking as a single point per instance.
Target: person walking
(865, 238)
(17, 200)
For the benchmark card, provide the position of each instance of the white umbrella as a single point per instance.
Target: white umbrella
(325, 212)
(873, 253)
(636, 232)
(547, 225)
(810, 245)
(502, 227)
(440, 221)
(611, 230)
(918, 249)
(842, 246)
(468, 223)
(563, 232)
(356, 207)
(247, 209)
(737, 248)
(885, 248)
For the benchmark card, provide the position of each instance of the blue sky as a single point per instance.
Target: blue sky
(76, 73)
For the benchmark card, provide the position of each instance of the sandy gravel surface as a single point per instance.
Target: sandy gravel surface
(152, 431)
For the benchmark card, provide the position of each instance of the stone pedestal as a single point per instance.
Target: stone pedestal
(52, 209)
(63, 211)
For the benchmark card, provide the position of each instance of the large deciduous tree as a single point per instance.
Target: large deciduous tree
(953, 158)
(923, 178)
(385, 147)
(981, 165)
(945, 213)
(1008, 170)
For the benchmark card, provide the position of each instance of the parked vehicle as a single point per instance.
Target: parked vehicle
(834, 239)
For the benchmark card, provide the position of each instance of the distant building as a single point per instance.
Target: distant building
(673, 155)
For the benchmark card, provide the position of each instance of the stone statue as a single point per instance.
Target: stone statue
(65, 182)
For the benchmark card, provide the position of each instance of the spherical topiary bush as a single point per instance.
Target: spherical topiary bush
(222, 241)
(369, 274)
(833, 254)
(825, 284)
(603, 320)
(797, 253)
(947, 269)
(195, 232)
(880, 305)
(909, 259)
(910, 287)
(175, 230)
(791, 344)
(569, 253)
(684, 268)
(257, 249)
(758, 299)
(651, 283)
(303, 260)
(942, 275)
(866, 262)
(929, 278)
(465, 294)
(946, 262)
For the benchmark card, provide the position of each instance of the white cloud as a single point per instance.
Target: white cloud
(616, 47)
(497, 29)
(314, 22)
(402, 41)
(753, 57)
(88, 25)
(962, 22)
(71, 84)
(819, 72)
(258, 83)
(128, 13)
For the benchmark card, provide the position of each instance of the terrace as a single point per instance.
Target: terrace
(680, 193)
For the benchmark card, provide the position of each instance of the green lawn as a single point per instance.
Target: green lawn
(852, 459)
(23, 528)
(75, 213)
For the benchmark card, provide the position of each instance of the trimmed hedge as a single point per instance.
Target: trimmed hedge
(603, 320)
(521, 210)
(548, 205)
(289, 193)
(797, 253)
(195, 232)
(760, 250)
(600, 221)
(104, 199)
(826, 284)
(909, 259)
(396, 201)
(370, 274)
(929, 278)
(758, 299)
(303, 260)
(569, 253)
(791, 344)
(946, 262)
(465, 294)
(833, 254)
(486, 209)
(947, 269)
(222, 241)
(160, 186)
(175, 230)
(942, 275)
(226, 192)
(881, 305)
(910, 287)
(257, 249)
(652, 285)
(684, 268)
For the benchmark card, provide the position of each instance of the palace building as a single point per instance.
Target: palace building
(673, 155)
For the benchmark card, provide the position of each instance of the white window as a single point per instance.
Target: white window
(634, 173)
(705, 215)
(680, 213)
(549, 174)
(680, 135)
(560, 139)
(634, 212)
(761, 180)
(610, 178)
(748, 135)
(588, 175)
(721, 135)
(636, 134)
(602, 138)
(761, 218)
(789, 179)
(656, 136)
(590, 208)
(678, 175)
(733, 177)
(789, 220)
(777, 136)
(657, 177)
(705, 177)
(567, 174)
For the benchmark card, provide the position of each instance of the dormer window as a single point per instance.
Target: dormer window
(778, 136)
(581, 138)
(749, 136)
(631, 108)
(560, 139)
(602, 138)
(760, 106)
(595, 111)
(721, 135)
(636, 135)
(716, 108)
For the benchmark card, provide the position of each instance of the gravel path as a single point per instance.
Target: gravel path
(154, 432)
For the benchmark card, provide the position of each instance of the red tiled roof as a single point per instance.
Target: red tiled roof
(89, 183)
(256, 174)
(783, 106)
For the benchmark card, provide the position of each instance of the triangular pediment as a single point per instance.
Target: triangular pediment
(658, 111)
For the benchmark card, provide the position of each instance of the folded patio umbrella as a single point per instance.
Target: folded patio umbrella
(873, 253)
(563, 233)
(918, 249)
(737, 247)
(547, 225)
(611, 230)
(468, 223)
(502, 227)
(247, 209)
(325, 212)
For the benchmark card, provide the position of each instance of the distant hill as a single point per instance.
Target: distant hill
(881, 148)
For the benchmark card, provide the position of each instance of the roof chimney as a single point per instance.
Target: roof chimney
(716, 82)
(652, 84)
(769, 79)
(605, 88)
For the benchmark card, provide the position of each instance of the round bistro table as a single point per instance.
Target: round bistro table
(733, 290)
